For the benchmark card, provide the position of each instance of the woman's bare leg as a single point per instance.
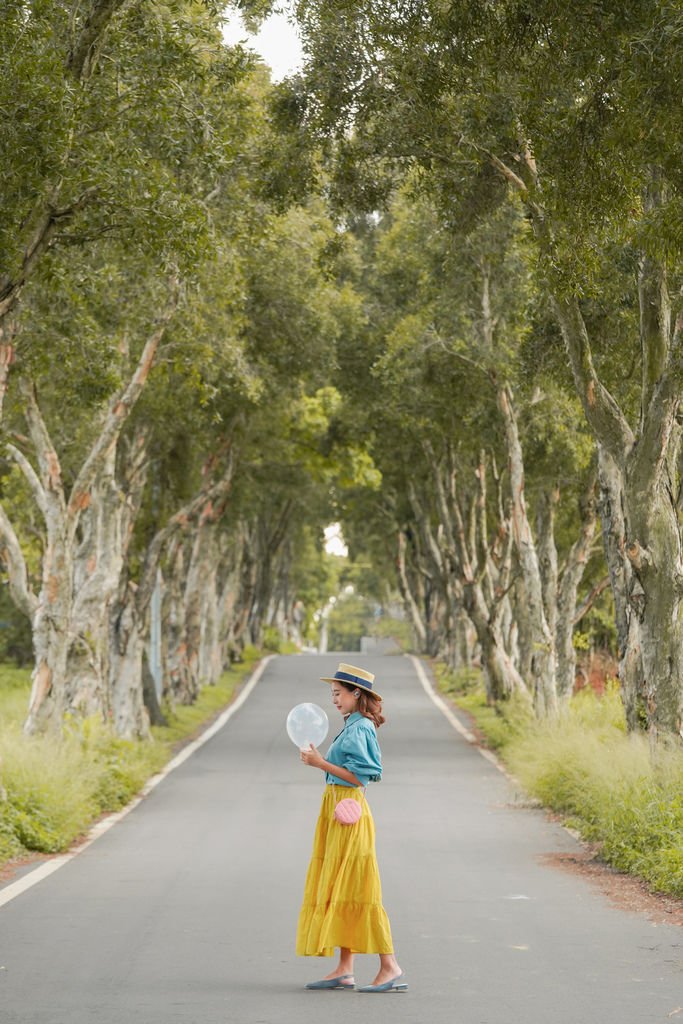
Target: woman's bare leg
(345, 965)
(388, 968)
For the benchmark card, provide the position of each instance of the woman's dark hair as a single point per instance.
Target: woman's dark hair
(369, 704)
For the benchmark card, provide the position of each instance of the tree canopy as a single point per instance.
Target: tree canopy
(417, 289)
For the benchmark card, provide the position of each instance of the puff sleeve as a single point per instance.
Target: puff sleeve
(359, 752)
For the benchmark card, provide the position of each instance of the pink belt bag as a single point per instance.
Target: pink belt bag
(348, 810)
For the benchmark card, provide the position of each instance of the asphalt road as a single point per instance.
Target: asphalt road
(185, 912)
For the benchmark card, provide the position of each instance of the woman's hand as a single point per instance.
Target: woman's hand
(312, 757)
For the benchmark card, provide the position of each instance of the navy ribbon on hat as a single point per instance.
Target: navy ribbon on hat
(346, 677)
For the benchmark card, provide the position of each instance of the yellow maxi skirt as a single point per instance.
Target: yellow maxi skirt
(343, 898)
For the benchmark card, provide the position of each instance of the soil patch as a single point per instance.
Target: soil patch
(624, 891)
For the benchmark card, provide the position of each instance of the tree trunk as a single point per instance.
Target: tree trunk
(210, 657)
(525, 643)
(51, 635)
(97, 567)
(230, 617)
(544, 659)
(129, 714)
(653, 548)
(642, 473)
(270, 537)
(645, 466)
(149, 694)
(7, 352)
(51, 692)
(405, 589)
(500, 673)
(567, 591)
(547, 554)
(52, 615)
(177, 668)
(612, 518)
(129, 619)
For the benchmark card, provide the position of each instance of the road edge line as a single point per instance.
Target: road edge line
(47, 868)
(443, 707)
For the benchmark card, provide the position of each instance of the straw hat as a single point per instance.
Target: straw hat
(356, 676)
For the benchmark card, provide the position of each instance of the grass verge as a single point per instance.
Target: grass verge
(52, 790)
(589, 769)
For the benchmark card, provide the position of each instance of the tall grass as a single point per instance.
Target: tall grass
(51, 790)
(588, 768)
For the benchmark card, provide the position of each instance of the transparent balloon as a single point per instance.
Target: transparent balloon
(306, 724)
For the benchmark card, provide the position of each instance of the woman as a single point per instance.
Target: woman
(343, 899)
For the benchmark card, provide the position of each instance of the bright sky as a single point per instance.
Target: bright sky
(277, 42)
(334, 540)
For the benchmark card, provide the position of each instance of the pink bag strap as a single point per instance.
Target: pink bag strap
(347, 798)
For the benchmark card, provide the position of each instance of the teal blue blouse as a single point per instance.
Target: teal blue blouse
(356, 749)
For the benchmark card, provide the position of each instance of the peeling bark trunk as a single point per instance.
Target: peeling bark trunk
(544, 660)
(269, 538)
(149, 694)
(97, 567)
(7, 353)
(547, 554)
(210, 660)
(50, 695)
(646, 469)
(106, 527)
(12, 558)
(177, 668)
(446, 625)
(231, 613)
(653, 548)
(129, 619)
(567, 596)
(500, 673)
(525, 643)
(409, 601)
(643, 474)
(127, 628)
(52, 616)
(247, 587)
(464, 641)
(51, 627)
(612, 517)
(201, 597)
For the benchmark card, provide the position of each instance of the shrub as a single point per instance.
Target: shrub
(586, 766)
(54, 789)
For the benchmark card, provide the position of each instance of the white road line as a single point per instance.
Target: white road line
(14, 889)
(453, 719)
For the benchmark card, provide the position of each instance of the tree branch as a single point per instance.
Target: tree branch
(120, 410)
(41, 239)
(418, 621)
(48, 462)
(600, 409)
(507, 172)
(655, 314)
(83, 54)
(29, 472)
(180, 521)
(7, 353)
(590, 599)
(13, 558)
(604, 416)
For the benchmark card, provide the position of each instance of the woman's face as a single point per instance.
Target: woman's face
(343, 699)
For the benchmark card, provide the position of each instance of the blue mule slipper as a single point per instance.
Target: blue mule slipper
(395, 985)
(333, 983)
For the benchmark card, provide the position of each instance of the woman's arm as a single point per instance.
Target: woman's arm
(316, 760)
